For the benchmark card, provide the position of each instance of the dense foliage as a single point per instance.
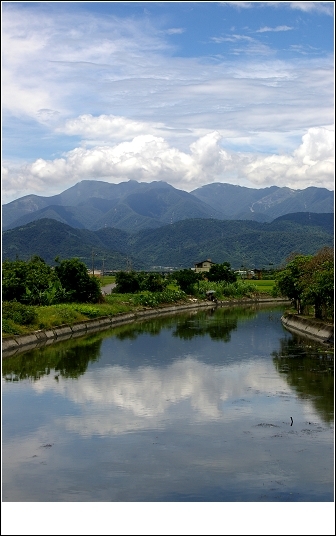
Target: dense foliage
(18, 312)
(76, 281)
(35, 283)
(139, 281)
(308, 280)
(186, 279)
(32, 282)
(223, 289)
(154, 299)
(221, 272)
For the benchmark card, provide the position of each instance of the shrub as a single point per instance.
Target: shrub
(238, 289)
(19, 313)
(153, 299)
(9, 327)
(87, 310)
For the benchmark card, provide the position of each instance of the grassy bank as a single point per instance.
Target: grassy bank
(20, 320)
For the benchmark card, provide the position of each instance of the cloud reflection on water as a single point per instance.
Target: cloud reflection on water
(130, 399)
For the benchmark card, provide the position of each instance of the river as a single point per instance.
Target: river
(219, 405)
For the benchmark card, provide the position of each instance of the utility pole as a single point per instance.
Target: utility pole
(92, 263)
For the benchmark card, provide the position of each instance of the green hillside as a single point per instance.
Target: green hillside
(177, 245)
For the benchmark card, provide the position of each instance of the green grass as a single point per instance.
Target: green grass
(50, 316)
(107, 279)
(264, 285)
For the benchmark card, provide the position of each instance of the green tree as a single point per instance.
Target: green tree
(309, 280)
(28, 282)
(79, 285)
(222, 272)
(127, 282)
(13, 280)
(318, 282)
(153, 282)
(289, 281)
(186, 279)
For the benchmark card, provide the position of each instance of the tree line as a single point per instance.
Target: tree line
(308, 280)
(34, 282)
(186, 279)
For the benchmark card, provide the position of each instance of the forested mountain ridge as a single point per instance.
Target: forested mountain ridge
(264, 204)
(92, 205)
(134, 206)
(181, 244)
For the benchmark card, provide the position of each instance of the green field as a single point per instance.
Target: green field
(106, 279)
(264, 285)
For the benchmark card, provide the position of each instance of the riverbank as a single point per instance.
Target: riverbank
(22, 343)
(309, 327)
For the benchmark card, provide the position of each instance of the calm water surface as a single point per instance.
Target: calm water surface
(195, 407)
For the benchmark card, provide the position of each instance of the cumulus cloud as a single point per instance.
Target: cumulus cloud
(311, 164)
(149, 157)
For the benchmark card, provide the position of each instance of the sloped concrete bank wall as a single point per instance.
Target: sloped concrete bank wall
(309, 327)
(22, 343)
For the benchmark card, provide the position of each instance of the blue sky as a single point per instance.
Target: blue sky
(185, 92)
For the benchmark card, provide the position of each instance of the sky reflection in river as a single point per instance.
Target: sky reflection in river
(191, 408)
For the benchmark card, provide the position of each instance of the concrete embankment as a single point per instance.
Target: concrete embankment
(22, 343)
(309, 327)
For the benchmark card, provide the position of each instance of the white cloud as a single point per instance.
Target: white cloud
(311, 164)
(46, 60)
(240, 5)
(173, 31)
(233, 38)
(104, 128)
(327, 8)
(148, 157)
(276, 29)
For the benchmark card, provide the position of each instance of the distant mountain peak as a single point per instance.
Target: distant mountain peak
(132, 205)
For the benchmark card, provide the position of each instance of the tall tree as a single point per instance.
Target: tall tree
(75, 279)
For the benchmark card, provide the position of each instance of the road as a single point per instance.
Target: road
(107, 288)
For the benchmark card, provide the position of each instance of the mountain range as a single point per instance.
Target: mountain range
(178, 245)
(132, 206)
